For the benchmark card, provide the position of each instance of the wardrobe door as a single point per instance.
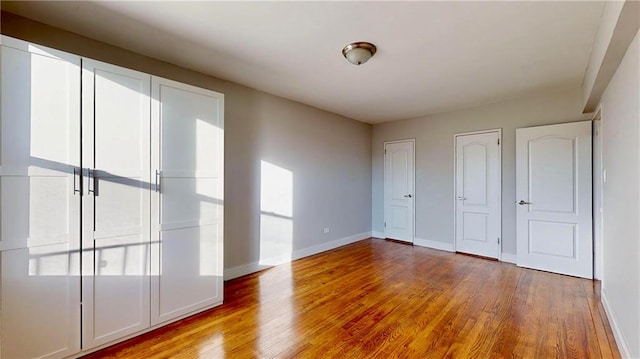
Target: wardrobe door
(116, 218)
(187, 211)
(40, 201)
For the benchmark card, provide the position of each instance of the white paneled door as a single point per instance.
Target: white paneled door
(478, 186)
(399, 190)
(116, 217)
(188, 201)
(553, 188)
(39, 184)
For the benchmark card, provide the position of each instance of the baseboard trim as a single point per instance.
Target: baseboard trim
(509, 258)
(306, 252)
(375, 234)
(239, 271)
(433, 244)
(623, 347)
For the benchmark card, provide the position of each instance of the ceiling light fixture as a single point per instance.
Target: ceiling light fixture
(358, 53)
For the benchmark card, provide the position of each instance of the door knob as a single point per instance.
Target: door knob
(523, 202)
(460, 198)
(407, 196)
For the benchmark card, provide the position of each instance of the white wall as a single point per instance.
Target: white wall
(620, 106)
(328, 156)
(434, 191)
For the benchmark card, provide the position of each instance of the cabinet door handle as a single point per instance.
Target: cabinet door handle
(157, 181)
(460, 198)
(75, 184)
(93, 179)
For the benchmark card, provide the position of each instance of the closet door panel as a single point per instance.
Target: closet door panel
(118, 203)
(179, 196)
(40, 210)
(40, 302)
(120, 263)
(40, 106)
(188, 265)
(116, 125)
(121, 119)
(190, 128)
(187, 211)
(39, 217)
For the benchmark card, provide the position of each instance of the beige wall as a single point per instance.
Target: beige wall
(620, 111)
(329, 155)
(434, 193)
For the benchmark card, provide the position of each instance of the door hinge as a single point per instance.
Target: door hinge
(498, 240)
(385, 151)
(385, 224)
(498, 142)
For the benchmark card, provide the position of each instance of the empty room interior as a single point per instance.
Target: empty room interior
(319, 179)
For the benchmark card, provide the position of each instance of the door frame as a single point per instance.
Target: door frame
(597, 167)
(384, 181)
(455, 176)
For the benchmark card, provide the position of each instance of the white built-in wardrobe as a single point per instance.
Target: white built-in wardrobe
(111, 190)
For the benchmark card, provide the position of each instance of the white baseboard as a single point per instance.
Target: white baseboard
(433, 244)
(623, 347)
(305, 252)
(375, 234)
(509, 258)
(239, 271)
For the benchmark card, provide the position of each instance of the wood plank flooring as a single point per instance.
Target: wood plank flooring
(379, 299)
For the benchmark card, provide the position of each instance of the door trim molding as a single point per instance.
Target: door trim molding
(455, 174)
(597, 193)
(384, 174)
(400, 141)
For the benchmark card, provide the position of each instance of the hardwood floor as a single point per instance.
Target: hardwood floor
(376, 298)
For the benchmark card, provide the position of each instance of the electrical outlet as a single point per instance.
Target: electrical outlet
(325, 230)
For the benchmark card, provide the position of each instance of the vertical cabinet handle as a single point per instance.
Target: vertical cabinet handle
(92, 182)
(157, 181)
(75, 182)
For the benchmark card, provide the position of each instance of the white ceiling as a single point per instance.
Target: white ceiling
(432, 56)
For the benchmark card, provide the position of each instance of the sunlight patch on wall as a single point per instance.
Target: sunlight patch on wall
(276, 214)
